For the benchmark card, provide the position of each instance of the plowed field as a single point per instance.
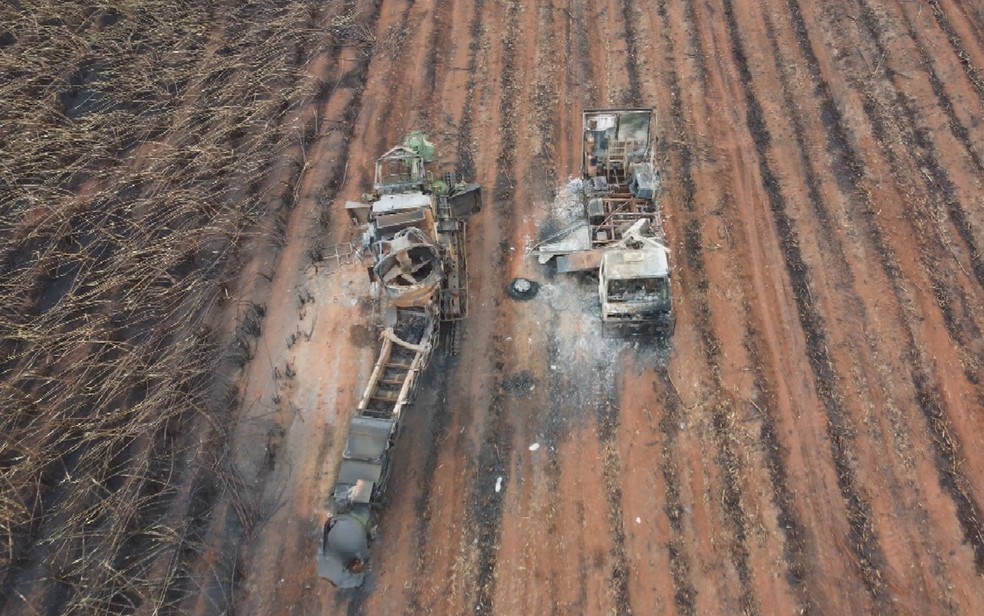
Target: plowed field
(811, 441)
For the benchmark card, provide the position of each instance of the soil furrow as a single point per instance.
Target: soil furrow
(788, 519)
(864, 542)
(842, 150)
(633, 96)
(398, 54)
(957, 46)
(968, 17)
(496, 447)
(927, 392)
(935, 176)
(684, 591)
(466, 160)
(607, 418)
(929, 397)
(849, 169)
(958, 128)
(486, 509)
(552, 438)
(685, 594)
(437, 432)
(437, 50)
(728, 458)
(697, 285)
(579, 48)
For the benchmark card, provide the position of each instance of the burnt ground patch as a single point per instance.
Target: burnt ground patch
(485, 512)
(519, 384)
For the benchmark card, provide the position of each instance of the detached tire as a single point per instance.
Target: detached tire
(522, 289)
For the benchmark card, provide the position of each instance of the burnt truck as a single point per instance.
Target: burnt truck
(413, 227)
(621, 234)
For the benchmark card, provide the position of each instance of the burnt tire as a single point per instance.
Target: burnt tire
(522, 289)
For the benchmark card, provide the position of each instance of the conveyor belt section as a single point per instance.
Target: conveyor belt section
(454, 288)
(362, 476)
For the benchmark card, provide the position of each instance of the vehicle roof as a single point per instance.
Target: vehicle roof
(628, 264)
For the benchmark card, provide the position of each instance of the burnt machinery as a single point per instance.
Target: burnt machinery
(414, 231)
(621, 234)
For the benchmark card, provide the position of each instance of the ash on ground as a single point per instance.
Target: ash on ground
(584, 362)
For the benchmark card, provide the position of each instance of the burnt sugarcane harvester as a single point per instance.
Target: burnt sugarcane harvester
(414, 230)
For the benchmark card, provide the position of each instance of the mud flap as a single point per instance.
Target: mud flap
(344, 551)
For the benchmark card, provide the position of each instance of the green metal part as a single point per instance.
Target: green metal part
(417, 141)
